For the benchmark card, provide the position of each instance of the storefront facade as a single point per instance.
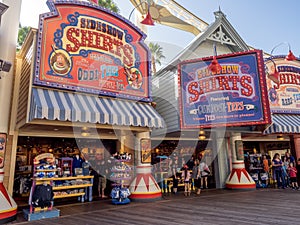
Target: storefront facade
(221, 139)
(94, 94)
(9, 19)
(283, 87)
(83, 86)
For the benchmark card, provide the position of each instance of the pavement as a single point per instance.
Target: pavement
(217, 206)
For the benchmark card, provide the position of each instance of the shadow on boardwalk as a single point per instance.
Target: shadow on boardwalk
(261, 206)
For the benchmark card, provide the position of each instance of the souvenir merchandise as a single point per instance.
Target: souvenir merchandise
(121, 174)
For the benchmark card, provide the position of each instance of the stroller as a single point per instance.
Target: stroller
(264, 177)
(255, 178)
(261, 179)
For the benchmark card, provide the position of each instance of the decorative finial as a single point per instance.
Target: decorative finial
(219, 13)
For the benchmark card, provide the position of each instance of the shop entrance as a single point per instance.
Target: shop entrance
(65, 151)
(185, 152)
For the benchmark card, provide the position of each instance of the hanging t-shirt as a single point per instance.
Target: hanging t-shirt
(85, 168)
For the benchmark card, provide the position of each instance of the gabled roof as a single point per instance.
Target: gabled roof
(220, 31)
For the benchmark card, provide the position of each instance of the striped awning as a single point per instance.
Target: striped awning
(76, 107)
(284, 123)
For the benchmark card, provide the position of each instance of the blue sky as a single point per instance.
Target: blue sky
(262, 24)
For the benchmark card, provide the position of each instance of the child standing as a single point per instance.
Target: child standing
(186, 175)
(293, 176)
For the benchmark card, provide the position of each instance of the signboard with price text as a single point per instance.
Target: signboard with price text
(235, 95)
(283, 85)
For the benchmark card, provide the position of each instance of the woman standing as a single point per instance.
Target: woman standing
(204, 170)
(277, 170)
(196, 176)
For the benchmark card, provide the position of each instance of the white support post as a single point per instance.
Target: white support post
(239, 178)
(144, 186)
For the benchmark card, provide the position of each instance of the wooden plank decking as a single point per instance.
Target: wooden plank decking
(262, 206)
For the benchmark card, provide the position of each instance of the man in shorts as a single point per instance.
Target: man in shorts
(102, 186)
(102, 171)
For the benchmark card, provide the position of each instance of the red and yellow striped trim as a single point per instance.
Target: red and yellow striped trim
(8, 213)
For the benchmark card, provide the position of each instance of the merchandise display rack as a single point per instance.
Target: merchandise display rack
(65, 166)
(45, 173)
(121, 176)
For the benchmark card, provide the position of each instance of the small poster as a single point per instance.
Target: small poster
(239, 150)
(146, 150)
(2, 149)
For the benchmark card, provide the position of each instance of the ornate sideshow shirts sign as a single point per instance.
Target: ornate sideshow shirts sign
(233, 96)
(283, 84)
(83, 47)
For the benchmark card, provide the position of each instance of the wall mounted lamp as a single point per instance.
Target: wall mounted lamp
(274, 75)
(4, 66)
(290, 56)
(148, 19)
(214, 67)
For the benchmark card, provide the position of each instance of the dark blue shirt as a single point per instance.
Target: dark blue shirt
(277, 164)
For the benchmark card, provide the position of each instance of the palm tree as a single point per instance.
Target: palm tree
(156, 55)
(22, 33)
(109, 4)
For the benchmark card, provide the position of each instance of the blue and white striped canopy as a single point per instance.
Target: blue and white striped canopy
(76, 107)
(284, 123)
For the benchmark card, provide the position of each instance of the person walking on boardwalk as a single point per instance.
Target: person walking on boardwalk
(196, 176)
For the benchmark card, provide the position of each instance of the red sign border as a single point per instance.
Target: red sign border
(278, 110)
(263, 87)
(54, 12)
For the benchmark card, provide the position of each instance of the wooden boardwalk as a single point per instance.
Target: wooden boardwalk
(262, 206)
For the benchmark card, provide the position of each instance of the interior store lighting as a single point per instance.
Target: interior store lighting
(85, 132)
(202, 135)
(280, 138)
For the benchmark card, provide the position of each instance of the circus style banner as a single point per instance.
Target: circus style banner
(235, 95)
(146, 150)
(83, 47)
(283, 83)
